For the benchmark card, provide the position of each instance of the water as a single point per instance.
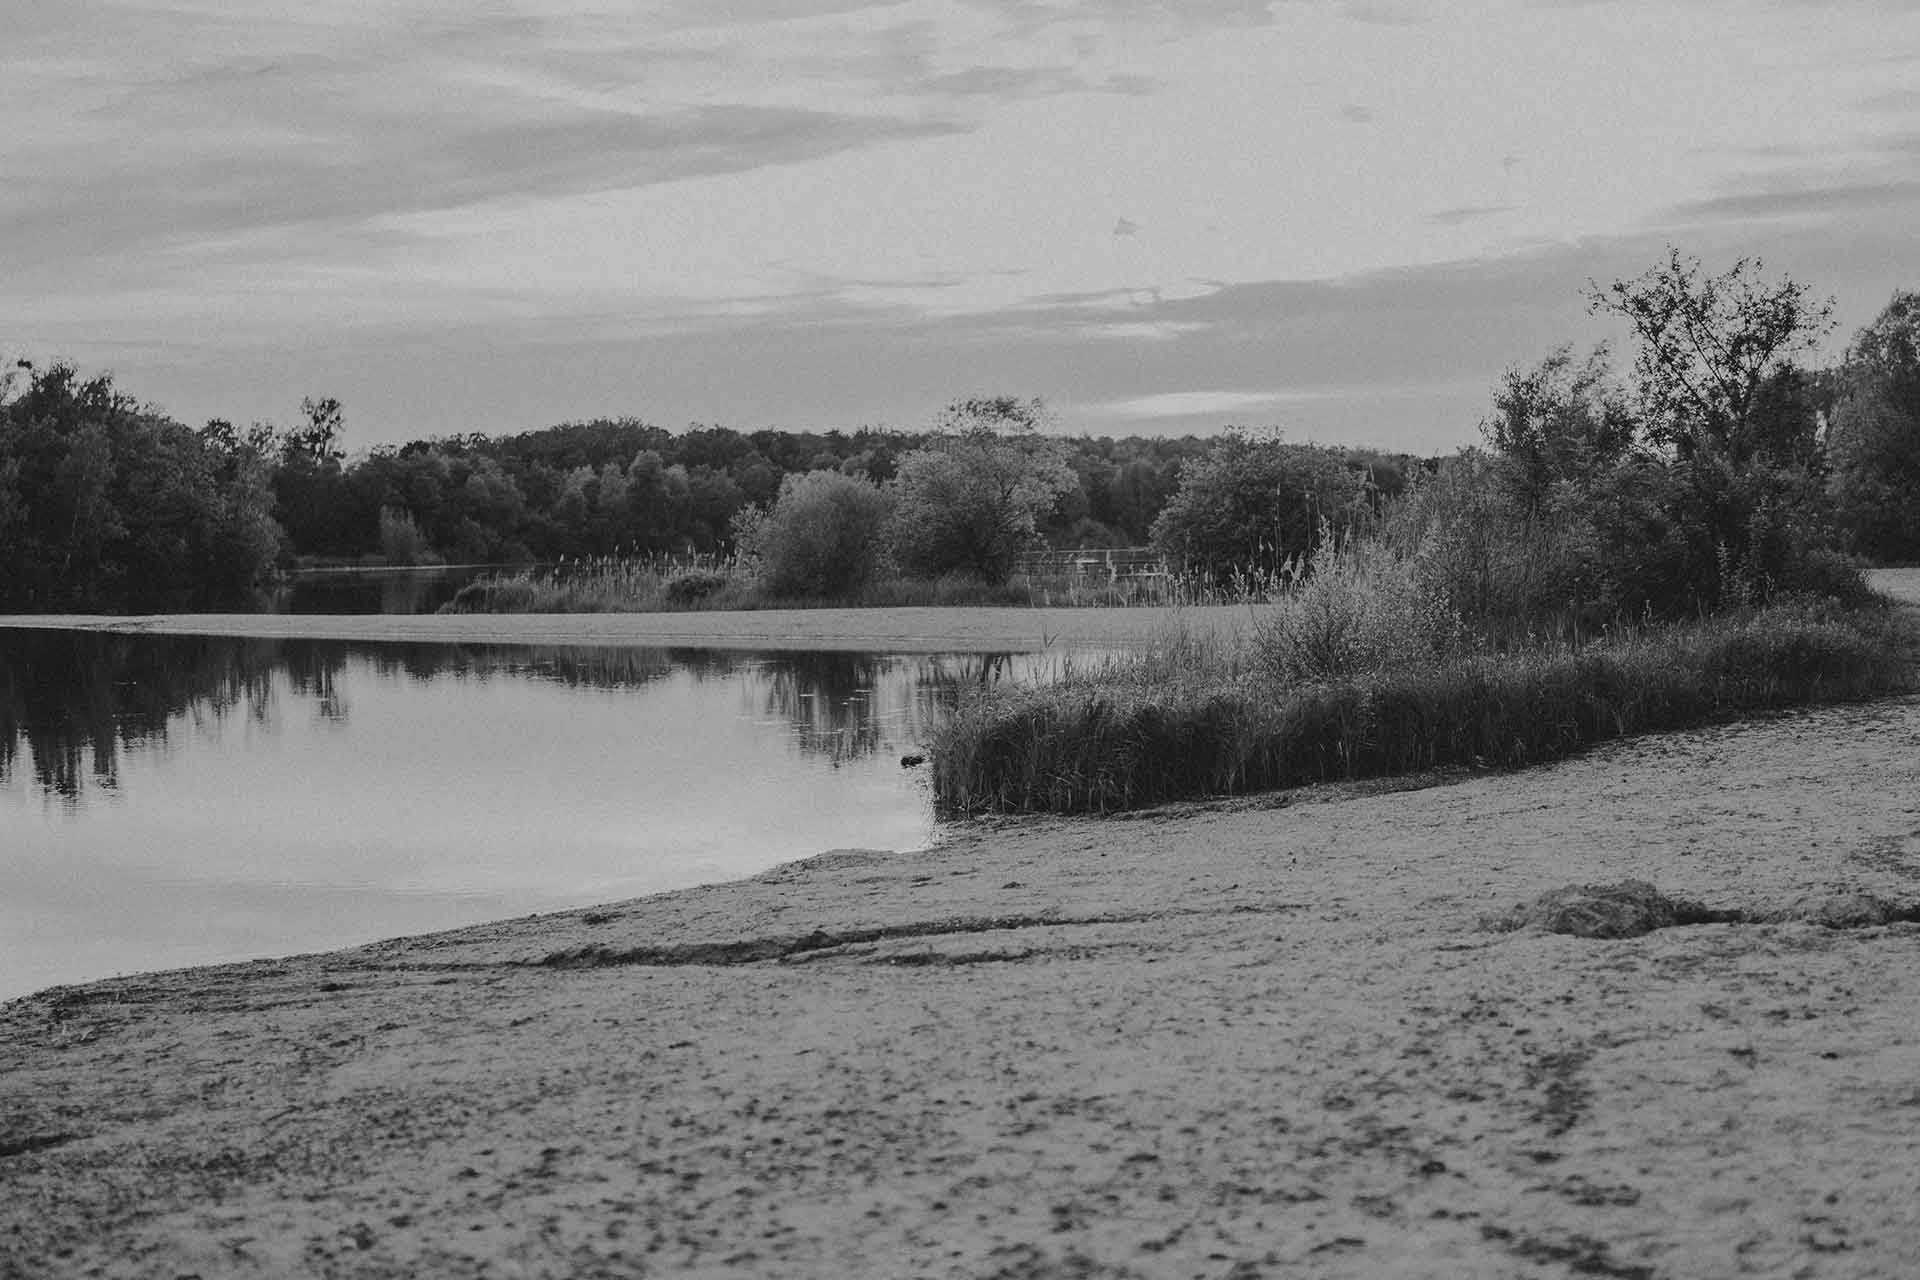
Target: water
(167, 800)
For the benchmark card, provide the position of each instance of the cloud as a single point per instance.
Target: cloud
(1878, 178)
(190, 125)
(1126, 227)
(1386, 13)
(1893, 195)
(1187, 404)
(348, 180)
(1207, 14)
(1405, 358)
(1461, 214)
(1354, 113)
(1893, 102)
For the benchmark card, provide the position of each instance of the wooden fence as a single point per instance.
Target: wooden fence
(1097, 564)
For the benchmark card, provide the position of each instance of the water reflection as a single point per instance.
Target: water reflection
(72, 704)
(173, 800)
(75, 702)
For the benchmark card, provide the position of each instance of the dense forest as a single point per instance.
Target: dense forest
(106, 503)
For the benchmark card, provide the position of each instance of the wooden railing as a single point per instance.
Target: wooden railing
(1095, 563)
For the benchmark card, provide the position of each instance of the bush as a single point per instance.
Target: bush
(1363, 608)
(694, 586)
(822, 537)
(1252, 507)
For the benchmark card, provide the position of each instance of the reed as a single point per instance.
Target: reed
(1193, 717)
(610, 584)
(651, 584)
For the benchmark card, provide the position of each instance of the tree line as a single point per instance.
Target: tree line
(1718, 459)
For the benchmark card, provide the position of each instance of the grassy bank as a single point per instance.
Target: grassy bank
(614, 584)
(1193, 718)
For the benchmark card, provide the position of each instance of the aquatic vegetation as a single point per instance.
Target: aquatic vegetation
(1195, 717)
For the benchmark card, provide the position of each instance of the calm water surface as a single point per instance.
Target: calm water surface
(167, 801)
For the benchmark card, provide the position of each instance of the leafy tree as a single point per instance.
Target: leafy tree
(318, 439)
(401, 540)
(311, 497)
(822, 536)
(1723, 401)
(105, 504)
(1712, 350)
(1559, 422)
(1251, 505)
(1874, 441)
(973, 498)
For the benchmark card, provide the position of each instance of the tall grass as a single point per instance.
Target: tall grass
(609, 584)
(650, 584)
(1196, 718)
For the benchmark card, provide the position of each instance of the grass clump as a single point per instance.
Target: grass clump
(608, 584)
(1191, 718)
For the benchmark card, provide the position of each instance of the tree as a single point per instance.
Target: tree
(822, 536)
(973, 499)
(1251, 505)
(105, 504)
(1710, 349)
(318, 439)
(312, 500)
(1873, 444)
(1559, 422)
(1723, 400)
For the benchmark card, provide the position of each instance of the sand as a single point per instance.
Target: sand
(1263, 1038)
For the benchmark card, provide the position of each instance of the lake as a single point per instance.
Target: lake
(176, 800)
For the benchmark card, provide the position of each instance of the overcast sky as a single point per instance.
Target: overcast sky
(1344, 218)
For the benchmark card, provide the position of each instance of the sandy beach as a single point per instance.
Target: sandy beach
(1271, 1037)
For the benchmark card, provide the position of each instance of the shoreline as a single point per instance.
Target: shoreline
(915, 630)
(1264, 1037)
(1272, 1030)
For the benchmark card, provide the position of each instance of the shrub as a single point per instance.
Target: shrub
(1363, 608)
(820, 538)
(1255, 506)
(694, 586)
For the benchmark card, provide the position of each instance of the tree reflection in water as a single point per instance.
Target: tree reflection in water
(845, 706)
(75, 702)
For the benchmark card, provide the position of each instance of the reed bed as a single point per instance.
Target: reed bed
(1193, 717)
(650, 584)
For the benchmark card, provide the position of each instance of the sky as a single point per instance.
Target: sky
(1344, 219)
